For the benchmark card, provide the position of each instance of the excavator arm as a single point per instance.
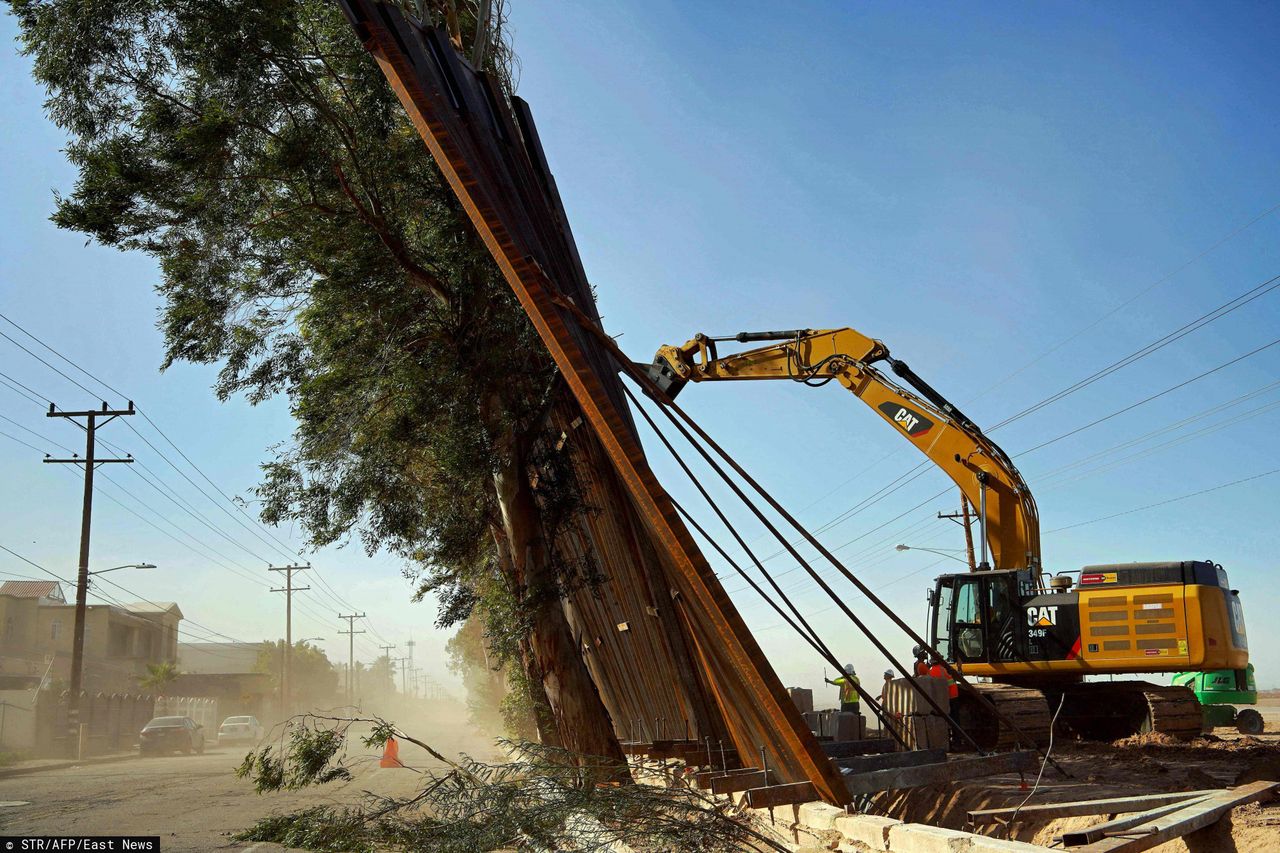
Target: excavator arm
(984, 473)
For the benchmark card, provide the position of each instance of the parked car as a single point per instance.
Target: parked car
(165, 734)
(240, 730)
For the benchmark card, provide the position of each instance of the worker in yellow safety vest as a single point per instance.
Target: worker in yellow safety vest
(848, 684)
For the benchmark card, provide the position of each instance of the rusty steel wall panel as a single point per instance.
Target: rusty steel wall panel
(494, 164)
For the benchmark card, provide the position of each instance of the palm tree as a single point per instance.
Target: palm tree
(158, 675)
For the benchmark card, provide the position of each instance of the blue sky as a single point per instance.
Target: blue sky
(972, 185)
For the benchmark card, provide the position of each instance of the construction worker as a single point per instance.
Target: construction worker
(848, 684)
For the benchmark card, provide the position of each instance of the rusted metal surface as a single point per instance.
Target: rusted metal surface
(709, 667)
(780, 795)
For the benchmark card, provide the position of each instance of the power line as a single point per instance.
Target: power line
(1146, 400)
(1174, 442)
(1177, 334)
(100, 594)
(1162, 430)
(1200, 322)
(23, 443)
(287, 551)
(1164, 502)
(1166, 277)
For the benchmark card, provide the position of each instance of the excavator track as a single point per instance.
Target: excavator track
(1100, 710)
(1111, 710)
(1024, 707)
(1173, 711)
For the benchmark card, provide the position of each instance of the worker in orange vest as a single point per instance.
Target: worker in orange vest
(937, 670)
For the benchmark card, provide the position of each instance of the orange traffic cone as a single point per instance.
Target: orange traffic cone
(390, 754)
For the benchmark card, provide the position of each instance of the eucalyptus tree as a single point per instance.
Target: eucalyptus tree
(308, 246)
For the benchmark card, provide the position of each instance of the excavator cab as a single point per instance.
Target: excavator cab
(977, 617)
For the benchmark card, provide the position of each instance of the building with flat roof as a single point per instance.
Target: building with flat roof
(37, 628)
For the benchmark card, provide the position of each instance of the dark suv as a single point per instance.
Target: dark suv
(164, 734)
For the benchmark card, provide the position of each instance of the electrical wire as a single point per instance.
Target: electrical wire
(1159, 281)
(1223, 310)
(275, 543)
(1146, 400)
(1047, 752)
(1165, 502)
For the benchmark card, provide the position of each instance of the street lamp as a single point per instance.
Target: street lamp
(940, 553)
(126, 566)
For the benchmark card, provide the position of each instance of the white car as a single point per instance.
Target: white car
(240, 730)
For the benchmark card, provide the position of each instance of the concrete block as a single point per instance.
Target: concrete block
(983, 844)
(849, 726)
(922, 838)
(871, 831)
(819, 816)
(803, 697)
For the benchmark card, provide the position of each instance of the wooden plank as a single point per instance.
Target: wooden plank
(1079, 808)
(886, 760)
(739, 782)
(780, 795)
(935, 774)
(1197, 815)
(1113, 827)
(852, 748)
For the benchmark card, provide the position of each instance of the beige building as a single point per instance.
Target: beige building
(37, 627)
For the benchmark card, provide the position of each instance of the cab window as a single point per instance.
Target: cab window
(970, 643)
(942, 621)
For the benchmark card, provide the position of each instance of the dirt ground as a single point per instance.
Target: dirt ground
(195, 802)
(1138, 766)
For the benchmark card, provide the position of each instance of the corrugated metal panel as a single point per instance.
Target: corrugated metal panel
(493, 162)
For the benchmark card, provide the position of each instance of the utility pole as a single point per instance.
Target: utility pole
(288, 589)
(404, 682)
(90, 462)
(351, 654)
(391, 666)
(964, 520)
(410, 644)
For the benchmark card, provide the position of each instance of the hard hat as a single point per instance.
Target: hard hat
(888, 673)
(848, 668)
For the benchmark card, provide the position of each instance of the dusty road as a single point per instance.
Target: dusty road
(194, 803)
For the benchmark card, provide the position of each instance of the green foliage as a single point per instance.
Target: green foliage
(310, 754)
(319, 828)
(308, 245)
(542, 800)
(158, 675)
(312, 676)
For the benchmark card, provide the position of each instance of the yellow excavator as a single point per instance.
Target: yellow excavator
(1034, 635)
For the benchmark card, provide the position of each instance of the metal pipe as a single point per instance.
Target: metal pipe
(982, 519)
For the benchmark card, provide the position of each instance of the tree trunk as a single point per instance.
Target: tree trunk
(580, 717)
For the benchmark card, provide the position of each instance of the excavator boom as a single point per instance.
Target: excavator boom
(939, 430)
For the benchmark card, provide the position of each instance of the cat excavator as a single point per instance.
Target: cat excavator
(1031, 635)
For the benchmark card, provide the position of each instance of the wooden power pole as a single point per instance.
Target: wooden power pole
(288, 589)
(351, 654)
(90, 462)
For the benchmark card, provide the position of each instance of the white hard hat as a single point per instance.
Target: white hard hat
(848, 668)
